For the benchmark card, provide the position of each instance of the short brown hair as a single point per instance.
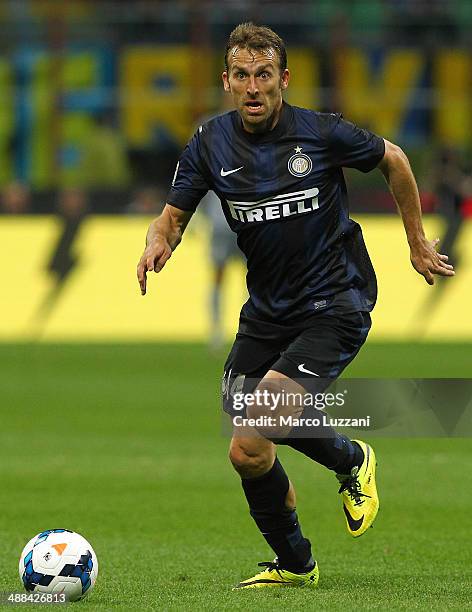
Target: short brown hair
(249, 36)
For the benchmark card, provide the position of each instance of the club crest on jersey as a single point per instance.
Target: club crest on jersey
(299, 164)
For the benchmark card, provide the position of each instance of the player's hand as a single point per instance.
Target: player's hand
(153, 259)
(427, 261)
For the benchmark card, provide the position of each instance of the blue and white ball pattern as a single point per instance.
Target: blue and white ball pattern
(59, 561)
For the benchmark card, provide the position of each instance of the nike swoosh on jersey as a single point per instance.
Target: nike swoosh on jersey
(354, 524)
(224, 172)
(303, 369)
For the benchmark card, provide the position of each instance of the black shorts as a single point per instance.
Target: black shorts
(313, 352)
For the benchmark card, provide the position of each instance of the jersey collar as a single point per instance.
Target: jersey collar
(270, 136)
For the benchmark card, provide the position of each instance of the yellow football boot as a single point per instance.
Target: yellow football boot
(274, 576)
(360, 499)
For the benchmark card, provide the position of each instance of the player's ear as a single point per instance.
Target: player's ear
(225, 79)
(284, 79)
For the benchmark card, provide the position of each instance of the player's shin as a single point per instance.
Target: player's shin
(324, 445)
(266, 496)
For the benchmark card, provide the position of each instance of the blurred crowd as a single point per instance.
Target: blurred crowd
(445, 182)
(402, 20)
(114, 176)
(16, 198)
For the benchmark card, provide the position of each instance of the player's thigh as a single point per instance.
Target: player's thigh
(324, 348)
(248, 361)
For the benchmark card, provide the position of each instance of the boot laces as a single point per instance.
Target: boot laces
(352, 485)
(271, 566)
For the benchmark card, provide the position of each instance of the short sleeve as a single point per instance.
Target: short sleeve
(354, 147)
(191, 181)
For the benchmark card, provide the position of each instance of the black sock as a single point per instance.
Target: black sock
(277, 523)
(333, 450)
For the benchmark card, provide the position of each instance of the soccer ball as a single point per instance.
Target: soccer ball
(59, 561)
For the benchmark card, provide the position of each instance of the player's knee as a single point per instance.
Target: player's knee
(250, 463)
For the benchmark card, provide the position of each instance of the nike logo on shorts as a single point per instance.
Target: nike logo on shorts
(224, 172)
(302, 368)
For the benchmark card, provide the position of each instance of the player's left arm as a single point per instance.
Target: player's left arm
(401, 181)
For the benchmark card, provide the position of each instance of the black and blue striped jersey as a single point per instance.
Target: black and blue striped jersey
(283, 193)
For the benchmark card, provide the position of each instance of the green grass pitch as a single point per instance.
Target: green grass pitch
(123, 445)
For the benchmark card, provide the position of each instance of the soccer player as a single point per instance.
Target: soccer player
(277, 170)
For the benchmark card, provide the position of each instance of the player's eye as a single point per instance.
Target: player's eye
(240, 75)
(265, 75)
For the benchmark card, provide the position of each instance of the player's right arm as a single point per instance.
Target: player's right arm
(163, 236)
(191, 182)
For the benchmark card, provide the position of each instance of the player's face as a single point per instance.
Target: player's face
(256, 84)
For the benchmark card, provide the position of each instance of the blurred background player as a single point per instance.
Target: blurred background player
(223, 249)
(223, 246)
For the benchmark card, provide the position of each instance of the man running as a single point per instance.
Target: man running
(277, 170)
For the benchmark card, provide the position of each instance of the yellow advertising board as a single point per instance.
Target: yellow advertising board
(97, 298)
